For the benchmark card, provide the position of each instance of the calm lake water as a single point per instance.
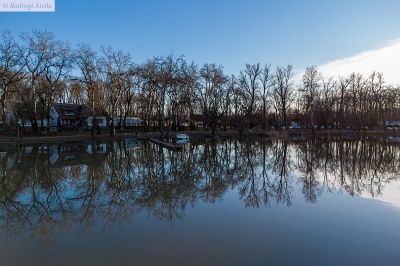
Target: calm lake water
(224, 202)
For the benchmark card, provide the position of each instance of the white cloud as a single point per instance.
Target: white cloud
(385, 60)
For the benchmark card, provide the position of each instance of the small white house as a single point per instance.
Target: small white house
(69, 115)
(27, 123)
(129, 122)
(60, 116)
(65, 116)
(101, 121)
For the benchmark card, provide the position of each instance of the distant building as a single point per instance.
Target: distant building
(25, 115)
(392, 124)
(61, 116)
(69, 115)
(101, 121)
(128, 122)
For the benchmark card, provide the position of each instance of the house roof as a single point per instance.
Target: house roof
(26, 111)
(72, 111)
(64, 110)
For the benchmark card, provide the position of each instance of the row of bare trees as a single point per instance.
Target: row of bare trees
(168, 93)
(352, 101)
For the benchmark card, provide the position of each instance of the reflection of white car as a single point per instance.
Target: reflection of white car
(182, 141)
(182, 136)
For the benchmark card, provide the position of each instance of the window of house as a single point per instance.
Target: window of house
(69, 113)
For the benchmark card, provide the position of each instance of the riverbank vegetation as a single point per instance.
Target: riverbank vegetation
(171, 93)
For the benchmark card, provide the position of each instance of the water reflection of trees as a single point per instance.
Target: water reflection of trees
(49, 188)
(353, 166)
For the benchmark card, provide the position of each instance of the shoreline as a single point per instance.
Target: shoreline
(195, 135)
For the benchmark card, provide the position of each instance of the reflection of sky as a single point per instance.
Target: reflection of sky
(213, 221)
(390, 193)
(338, 230)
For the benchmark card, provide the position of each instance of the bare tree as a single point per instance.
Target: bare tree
(166, 92)
(227, 100)
(211, 91)
(11, 69)
(37, 48)
(161, 75)
(283, 92)
(116, 72)
(58, 66)
(249, 82)
(87, 62)
(324, 108)
(309, 93)
(376, 87)
(190, 73)
(343, 84)
(267, 82)
(147, 99)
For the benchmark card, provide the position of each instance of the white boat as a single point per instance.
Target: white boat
(182, 136)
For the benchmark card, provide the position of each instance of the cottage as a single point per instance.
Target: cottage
(102, 119)
(69, 115)
(61, 116)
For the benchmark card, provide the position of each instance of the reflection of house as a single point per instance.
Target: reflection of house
(100, 148)
(75, 154)
(131, 144)
(393, 139)
(40, 157)
(392, 124)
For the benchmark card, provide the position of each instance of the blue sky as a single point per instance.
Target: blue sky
(230, 33)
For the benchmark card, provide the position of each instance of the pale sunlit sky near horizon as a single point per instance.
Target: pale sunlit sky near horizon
(339, 36)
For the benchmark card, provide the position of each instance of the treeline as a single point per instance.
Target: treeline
(168, 93)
